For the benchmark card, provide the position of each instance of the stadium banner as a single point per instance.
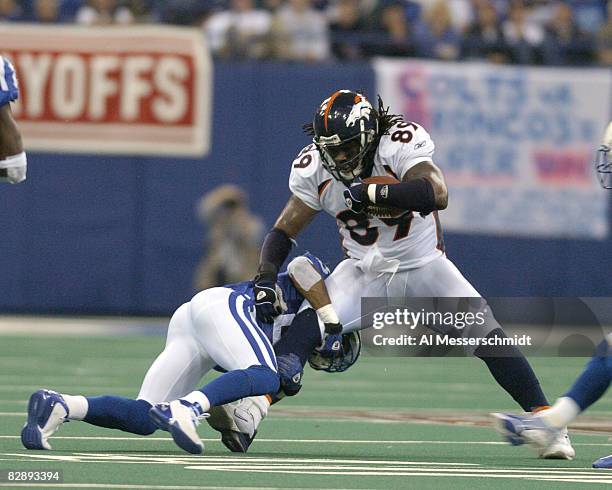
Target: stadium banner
(516, 144)
(137, 90)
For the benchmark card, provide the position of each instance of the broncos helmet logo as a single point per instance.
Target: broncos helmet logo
(360, 110)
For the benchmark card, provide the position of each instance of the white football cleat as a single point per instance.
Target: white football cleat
(550, 442)
(238, 421)
(559, 448)
(180, 418)
(47, 411)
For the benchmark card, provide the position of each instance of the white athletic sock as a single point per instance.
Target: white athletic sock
(77, 406)
(561, 413)
(199, 398)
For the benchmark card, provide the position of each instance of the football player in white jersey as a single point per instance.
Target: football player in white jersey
(13, 163)
(399, 255)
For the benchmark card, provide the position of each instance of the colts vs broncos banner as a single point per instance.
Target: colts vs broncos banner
(136, 90)
(516, 144)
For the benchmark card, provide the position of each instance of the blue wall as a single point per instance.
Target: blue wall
(100, 234)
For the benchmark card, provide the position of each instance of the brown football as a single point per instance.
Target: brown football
(381, 179)
(382, 211)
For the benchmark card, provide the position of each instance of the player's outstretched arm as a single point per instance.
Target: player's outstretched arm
(311, 285)
(276, 247)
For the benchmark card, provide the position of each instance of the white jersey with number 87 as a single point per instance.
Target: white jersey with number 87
(411, 239)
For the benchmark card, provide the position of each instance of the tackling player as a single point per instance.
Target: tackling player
(13, 162)
(217, 328)
(374, 173)
(589, 387)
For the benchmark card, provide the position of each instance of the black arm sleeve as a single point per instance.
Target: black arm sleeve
(414, 195)
(275, 249)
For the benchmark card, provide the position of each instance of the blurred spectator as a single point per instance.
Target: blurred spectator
(301, 32)
(484, 38)
(564, 42)
(233, 239)
(604, 40)
(524, 38)
(272, 5)
(104, 12)
(241, 32)
(347, 30)
(461, 12)
(46, 11)
(186, 12)
(394, 37)
(10, 10)
(435, 36)
(142, 10)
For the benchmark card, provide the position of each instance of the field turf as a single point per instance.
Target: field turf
(386, 423)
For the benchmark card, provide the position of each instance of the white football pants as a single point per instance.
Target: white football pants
(348, 283)
(214, 328)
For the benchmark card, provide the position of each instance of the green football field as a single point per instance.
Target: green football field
(385, 423)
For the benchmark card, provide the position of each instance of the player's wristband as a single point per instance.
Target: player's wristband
(372, 193)
(414, 195)
(13, 168)
(327, 314)
(266, 273)
(274, 251)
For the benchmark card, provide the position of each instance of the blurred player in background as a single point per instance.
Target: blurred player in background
(375, 174)
(13, 162)
(590, 386)
(216, 329)
(234, 236)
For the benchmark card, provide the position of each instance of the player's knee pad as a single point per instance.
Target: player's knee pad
(263, 380)
(290, 371)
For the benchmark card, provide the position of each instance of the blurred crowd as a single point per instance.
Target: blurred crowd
(570, 32)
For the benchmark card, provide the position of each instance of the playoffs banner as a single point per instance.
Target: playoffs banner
(516, 144)
(135, 90)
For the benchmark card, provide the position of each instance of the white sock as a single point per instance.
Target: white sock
(561, 413)
(199, 398)
(77, 406)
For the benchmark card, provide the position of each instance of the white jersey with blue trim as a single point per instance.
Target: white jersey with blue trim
(411, 239)
(292, 297)
(9, 87)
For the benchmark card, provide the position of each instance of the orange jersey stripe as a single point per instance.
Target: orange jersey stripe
(323, 186)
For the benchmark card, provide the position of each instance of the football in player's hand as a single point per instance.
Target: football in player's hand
(382, 211)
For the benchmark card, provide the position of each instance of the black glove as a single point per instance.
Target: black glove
(267, 303)
(355, 197)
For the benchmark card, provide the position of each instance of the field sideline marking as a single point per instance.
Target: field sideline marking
(300, 441)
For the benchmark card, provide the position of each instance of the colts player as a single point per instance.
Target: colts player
(589, 387)
(388, 254)
(13, 163)
(216, 328)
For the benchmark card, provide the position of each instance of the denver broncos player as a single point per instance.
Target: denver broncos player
(216, 328)
(13, 163)
(388, 254)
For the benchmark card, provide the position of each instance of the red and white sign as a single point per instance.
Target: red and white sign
(129, 90)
